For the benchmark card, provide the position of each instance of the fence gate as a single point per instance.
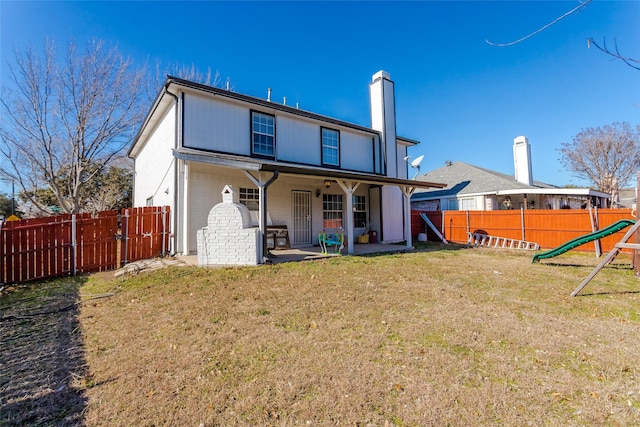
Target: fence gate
(63, 245)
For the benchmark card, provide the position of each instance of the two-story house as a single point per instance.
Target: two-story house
(289, 166)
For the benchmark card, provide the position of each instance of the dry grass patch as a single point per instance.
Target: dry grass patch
(438, 337)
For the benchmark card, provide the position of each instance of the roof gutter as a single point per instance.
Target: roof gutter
(175, 168)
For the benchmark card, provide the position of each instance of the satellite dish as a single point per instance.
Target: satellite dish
(417, 161)
(416, 164)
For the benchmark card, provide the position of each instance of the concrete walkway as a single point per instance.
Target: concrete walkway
(314, 252)
(277, 257)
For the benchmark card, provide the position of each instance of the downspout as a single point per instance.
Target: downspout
(263, 216)
(262, 188)
(175, 169)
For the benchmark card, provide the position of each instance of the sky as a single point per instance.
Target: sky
(461, 97)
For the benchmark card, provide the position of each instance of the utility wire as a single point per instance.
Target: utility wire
(575, 9)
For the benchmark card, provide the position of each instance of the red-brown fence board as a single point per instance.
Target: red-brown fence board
(39, 248)
(548, 228)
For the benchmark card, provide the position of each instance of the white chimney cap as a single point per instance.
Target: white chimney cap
(520, 140)
(381, 74)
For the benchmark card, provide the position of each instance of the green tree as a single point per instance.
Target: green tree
(5, 205)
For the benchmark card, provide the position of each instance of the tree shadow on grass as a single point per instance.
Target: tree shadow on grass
(42, 363)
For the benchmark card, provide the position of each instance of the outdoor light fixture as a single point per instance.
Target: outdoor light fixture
(318, 192)
(327, 183)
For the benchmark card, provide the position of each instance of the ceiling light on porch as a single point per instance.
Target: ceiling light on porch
(327, 183)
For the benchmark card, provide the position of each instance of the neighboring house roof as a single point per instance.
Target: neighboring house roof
(463, 179)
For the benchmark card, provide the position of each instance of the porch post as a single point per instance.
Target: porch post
(407, 192)
(349, 187)
(262, 213)
(185, 209)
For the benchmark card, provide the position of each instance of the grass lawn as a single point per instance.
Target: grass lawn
(441, 336)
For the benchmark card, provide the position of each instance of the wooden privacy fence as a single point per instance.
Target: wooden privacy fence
(63, 245)
(548, 228)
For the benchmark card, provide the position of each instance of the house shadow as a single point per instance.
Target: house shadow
(42, 359)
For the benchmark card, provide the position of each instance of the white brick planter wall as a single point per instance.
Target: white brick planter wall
(229, 238)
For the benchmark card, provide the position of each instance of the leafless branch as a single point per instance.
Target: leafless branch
(615, 54)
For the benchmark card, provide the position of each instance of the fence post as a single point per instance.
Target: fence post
(468, 225)
(636, 237)
(3, 259)
(164, 215)
(74, 245)
(125, 235)
(522, 224)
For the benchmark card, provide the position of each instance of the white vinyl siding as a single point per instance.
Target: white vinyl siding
(155, 166)
(215, 126)
(298, 141)
(225, 126)
(357, 151)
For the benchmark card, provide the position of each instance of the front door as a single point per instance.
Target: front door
(301, 205)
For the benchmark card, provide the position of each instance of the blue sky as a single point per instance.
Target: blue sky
(464, 99)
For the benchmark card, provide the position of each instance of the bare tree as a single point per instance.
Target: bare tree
(187, 72)
(608, 156)
(66, 120)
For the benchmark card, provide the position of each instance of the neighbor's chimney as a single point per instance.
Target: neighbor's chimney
(383, 118)
(522, 160)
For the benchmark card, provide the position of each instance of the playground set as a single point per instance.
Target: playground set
(486, 240)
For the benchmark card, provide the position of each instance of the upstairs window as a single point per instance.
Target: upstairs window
(330, 147)
(263, 134)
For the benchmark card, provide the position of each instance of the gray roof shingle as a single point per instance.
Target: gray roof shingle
(462, 178)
